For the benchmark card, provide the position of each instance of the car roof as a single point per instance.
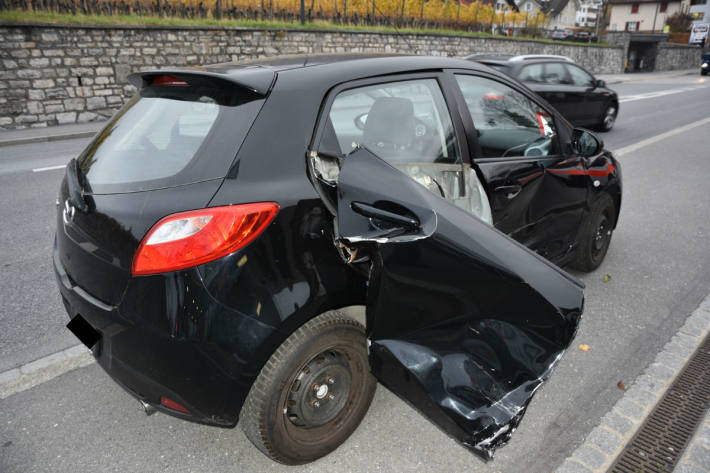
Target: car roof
(258, 75)
(509, 59)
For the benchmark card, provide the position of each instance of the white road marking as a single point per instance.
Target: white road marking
(655, 139)
(49, 168)
(658, 93)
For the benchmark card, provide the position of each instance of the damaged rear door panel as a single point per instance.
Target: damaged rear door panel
(463, 322)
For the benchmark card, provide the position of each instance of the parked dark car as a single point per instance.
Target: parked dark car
(563, 35)
(571, 89)
(705, 64)
(584, 37)
(208, 236)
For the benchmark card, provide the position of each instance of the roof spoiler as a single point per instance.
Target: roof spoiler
(258, 80)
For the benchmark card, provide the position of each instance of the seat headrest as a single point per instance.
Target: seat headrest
(390, 123)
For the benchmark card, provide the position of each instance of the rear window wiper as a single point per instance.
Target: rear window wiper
(74, 184)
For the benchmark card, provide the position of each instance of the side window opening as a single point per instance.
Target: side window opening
(508, 123)
(579, 77)
(532, 73)
(407, 124)
(555, 73)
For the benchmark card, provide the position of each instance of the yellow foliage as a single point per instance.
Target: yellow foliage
(425, 10)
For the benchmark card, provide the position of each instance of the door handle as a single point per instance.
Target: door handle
(510, 191)
(371, 211)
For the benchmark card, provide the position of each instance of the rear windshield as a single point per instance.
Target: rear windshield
(169, 136)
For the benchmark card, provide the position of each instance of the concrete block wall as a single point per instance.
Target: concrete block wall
(60, 74)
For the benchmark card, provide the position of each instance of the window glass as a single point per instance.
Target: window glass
(508, 123)
(407, 124)
(168, 136)
(399, 122)
(555, 73)
(580, 77)
(532, 73)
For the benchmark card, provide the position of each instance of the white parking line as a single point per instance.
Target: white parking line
(49, 168)
(659, 93)
(649, 141)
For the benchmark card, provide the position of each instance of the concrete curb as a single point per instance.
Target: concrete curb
(606, 441)
(40, 139)
(684, 72)
(39, 371)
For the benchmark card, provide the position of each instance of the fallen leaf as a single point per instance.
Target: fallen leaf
(584, 347)
(606, 278)
(621, 386)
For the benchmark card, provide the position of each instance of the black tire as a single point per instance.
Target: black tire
(279, 415)
(703, 72)
(596, 235)
(608, 118)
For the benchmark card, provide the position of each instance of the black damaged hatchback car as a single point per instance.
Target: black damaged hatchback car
(208, 237)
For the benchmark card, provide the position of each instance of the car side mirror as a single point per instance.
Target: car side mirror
(600, 83)
(585, 143)
(360, 121)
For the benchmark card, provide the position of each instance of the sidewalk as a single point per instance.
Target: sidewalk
(607, 441)
(52, 133)
(643, 76)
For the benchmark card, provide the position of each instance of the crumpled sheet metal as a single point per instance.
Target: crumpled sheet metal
(464, 323)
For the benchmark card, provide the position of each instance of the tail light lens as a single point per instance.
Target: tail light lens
(172, 405)
(168, 80)
(187, 239)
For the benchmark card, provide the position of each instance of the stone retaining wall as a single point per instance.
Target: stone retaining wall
(672, 56)
(66, 74)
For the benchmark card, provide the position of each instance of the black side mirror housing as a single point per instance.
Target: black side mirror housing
(585, 143)
(601, 83)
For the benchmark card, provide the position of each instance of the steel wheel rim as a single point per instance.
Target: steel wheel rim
(602, 234)
(319, 391)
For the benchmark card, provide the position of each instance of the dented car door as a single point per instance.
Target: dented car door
(463, 322)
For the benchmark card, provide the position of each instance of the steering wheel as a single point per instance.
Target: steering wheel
(525, 147)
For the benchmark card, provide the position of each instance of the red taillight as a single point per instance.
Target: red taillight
(172, 405)
(168, 80)
(187, 239)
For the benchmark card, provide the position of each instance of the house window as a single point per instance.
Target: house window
(664, 7)
(698, 2)
(632, 26)
(528, 6)
(634, 8)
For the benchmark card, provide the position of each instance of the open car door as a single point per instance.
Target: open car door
(463, 322)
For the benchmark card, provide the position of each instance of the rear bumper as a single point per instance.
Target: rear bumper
(175, 352)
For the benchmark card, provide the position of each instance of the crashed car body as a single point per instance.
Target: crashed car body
(207, 237)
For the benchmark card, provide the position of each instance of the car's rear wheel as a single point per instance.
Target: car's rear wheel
(312, 393)
(596, 235)
(608, 118)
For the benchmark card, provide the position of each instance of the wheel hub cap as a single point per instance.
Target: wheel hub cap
(320, 391)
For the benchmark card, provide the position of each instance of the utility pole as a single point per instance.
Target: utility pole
(303, 12)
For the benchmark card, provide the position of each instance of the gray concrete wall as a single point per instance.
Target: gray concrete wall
(66, 74)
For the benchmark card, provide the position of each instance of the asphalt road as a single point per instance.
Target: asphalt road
(659, 264)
